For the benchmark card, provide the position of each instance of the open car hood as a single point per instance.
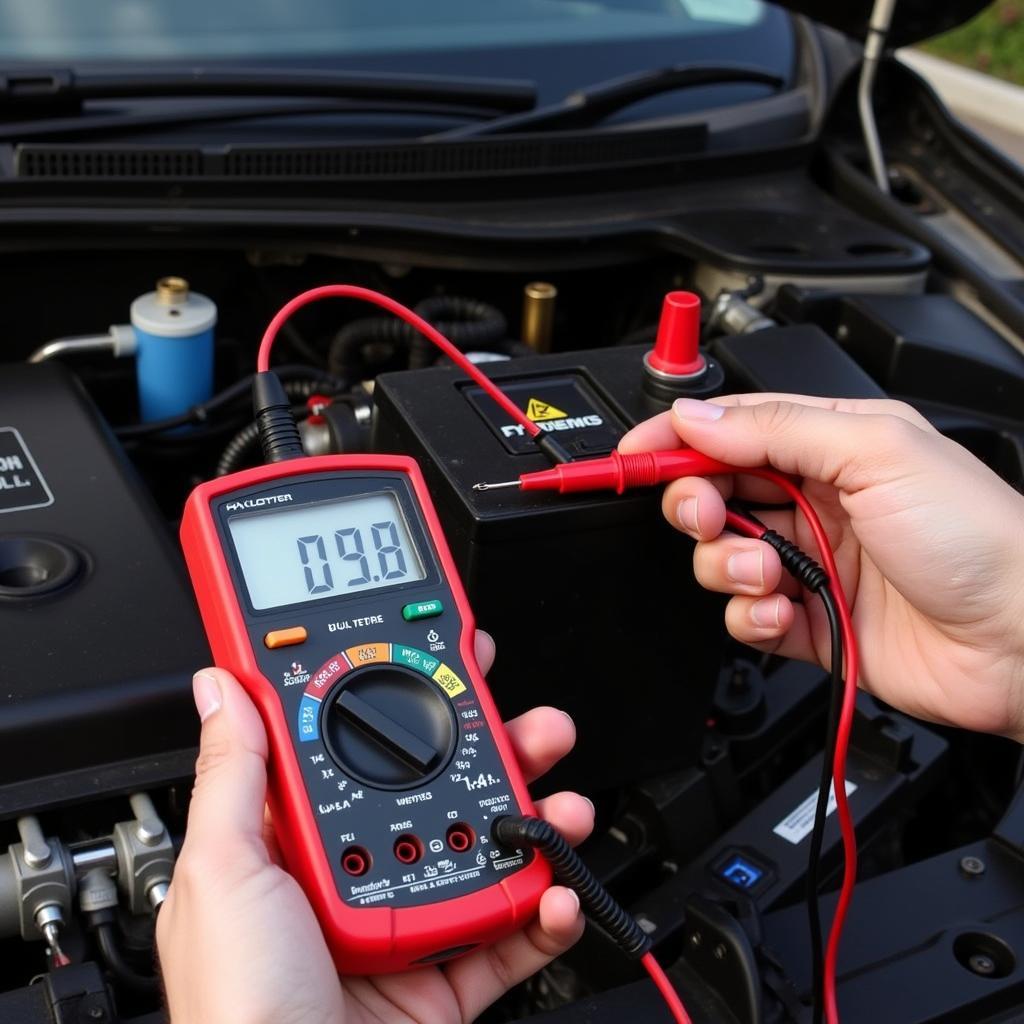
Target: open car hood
(913, 20)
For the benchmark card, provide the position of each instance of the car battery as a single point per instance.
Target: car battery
(590, 597)
(99, 634)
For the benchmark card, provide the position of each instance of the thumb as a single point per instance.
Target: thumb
(850, 450)
(231, 770)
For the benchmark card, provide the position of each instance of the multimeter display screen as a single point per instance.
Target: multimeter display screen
(325, 549)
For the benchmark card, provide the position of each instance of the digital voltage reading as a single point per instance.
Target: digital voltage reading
(349, 543)
(325, 549)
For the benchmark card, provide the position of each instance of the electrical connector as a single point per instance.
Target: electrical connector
(279, 433)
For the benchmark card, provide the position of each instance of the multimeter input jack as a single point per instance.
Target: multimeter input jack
(408, 848)
(355, 861)
(460, 837)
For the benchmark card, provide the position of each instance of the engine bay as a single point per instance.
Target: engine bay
(701, 757)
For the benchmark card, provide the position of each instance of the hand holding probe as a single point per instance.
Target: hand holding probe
(619, 473)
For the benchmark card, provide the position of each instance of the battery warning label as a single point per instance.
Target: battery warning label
(566, 403)
(540, 412)
(21, 484)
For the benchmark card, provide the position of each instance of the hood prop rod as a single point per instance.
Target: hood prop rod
(874, 46)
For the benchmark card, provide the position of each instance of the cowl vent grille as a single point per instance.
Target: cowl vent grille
(536, 154)
(122, 162)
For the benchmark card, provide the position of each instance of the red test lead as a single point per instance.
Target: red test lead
(617, 472)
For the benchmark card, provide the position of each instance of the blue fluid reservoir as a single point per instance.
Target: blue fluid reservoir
(174, 362)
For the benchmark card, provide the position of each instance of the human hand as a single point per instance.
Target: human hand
(237, 938)
(929, 545)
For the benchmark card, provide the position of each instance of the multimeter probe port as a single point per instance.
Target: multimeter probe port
(408, 848)
(355, 861)
(460, 837)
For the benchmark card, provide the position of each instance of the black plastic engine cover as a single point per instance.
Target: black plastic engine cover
(99, 635)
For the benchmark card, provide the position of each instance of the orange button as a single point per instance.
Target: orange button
(285, 637)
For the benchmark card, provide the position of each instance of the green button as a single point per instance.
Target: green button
(414, 658)
(422, 610)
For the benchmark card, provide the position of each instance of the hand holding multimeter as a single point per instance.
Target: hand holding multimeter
(238, 938)
(327, 588)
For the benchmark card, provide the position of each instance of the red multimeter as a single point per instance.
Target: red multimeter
(326, 586)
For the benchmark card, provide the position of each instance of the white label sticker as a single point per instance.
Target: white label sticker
(21, 484)
(800, 821)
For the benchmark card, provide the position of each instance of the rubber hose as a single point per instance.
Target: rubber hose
(118, 966)
(467, 323)
(346, 349)
(238, 450)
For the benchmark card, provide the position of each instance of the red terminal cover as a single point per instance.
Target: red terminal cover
(676, 352)
(362, 940)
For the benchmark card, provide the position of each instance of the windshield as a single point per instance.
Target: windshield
(560, 45)
(69, 30)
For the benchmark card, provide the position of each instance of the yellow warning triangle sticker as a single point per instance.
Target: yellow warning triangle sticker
(539, 411)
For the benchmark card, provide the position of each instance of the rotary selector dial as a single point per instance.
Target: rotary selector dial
(389, 727)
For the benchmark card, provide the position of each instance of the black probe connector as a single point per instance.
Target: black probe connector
(554, 450)
(804, 569)
(570, 871)
(279, 433)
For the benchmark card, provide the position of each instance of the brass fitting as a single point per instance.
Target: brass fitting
(539, 315)
(171, 291)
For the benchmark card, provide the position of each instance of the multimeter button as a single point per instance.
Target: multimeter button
(422, 610)
(368, 654)
(285, 637)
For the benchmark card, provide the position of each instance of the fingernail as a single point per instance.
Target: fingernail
(206, 693)
(567, 716)
(694, 409)
(767, 612)
(593, 809)
(746, 567)
(575, 897)
(687, 515)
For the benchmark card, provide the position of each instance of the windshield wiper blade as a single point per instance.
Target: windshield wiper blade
(586, 107)
(60, 91)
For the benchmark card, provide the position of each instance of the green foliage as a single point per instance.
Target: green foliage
(992, 42)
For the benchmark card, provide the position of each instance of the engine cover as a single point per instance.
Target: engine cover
(99, 635)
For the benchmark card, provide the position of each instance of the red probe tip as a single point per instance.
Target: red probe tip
(676, 351)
